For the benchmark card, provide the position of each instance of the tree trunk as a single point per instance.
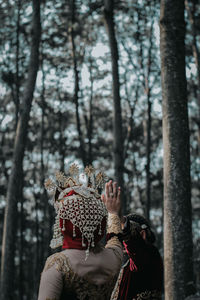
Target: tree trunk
(196, 53)
(195, 49)
(21, 226)
(9, 233)
(76, 86)
(17, 83)
(149, 121)
(117, 120)
(177, 203)
(148, 156)
(90, 121)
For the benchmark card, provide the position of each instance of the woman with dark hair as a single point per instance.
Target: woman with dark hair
(141, 277)
(83, 269)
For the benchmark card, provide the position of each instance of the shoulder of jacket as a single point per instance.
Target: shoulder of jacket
(58, 260)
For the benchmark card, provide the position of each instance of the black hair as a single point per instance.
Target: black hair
(142, 220)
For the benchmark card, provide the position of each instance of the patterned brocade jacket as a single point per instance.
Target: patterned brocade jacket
(68, 276)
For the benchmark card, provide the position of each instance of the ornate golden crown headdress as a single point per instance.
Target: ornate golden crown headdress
(92, 181)
(83, 208)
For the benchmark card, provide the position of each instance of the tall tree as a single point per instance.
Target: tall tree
(191, 8)
(177, 203)
(76, 83)
(117, 118)
(148, 125)
(9, 233)
(17, 63)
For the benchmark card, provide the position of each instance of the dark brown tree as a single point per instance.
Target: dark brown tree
(10, 218)
(76, 83)
(17, 101)
(117, 117)
(191, 8)
(147, 87)
(177, 203)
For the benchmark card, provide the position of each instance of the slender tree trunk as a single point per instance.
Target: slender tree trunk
(195, 49)
(21, 248)
(148, 156)
(90, 122)
(177, 203)
(196, 53)
(76, 87)
(62, 143)
(9, 233)
(132, 106)
(117, 120)
(149, 121)
(42, 129)
(17, 101)
(42, 202)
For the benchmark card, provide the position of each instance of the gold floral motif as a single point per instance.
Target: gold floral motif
(115, 292)
(74, 169)
(149, 295)
(89, 170)
(101, 178)
(114, 241)
(64, 181)
(85, 289)
(82, 287)
(114, 225)
(61, 178)
(49, 184)
(60, 261)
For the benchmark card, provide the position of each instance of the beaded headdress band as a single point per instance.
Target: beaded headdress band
(79, 202)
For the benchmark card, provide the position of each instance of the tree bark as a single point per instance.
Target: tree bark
(17, 83)
(90, 121)
(195, 49)
(149, 121)
(177, 200)
(196, 53)
(8, 246)
(117, 119)
(76, 86)
(21, 240)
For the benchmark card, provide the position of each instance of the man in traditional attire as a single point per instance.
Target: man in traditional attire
(141, 277)
(84, 270)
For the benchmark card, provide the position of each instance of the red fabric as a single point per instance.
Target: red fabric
(70, 242)
(133, 266)
(144, 271)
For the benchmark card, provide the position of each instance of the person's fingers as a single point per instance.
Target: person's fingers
(118, 201)
(107, 190)
(110, 187)
(115, 189)
(118, 195)
(103, 198)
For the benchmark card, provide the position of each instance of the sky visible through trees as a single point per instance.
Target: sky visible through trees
(74, 86)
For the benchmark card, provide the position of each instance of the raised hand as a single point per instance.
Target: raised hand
(111, 198)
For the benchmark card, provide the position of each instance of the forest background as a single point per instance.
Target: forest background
(85, 110)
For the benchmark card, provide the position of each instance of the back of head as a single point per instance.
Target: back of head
(140, 223)
(80, 214)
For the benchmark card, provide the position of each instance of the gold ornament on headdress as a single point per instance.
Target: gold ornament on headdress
(83, 207)
(101, 178)
(50, 185)
(61, 178)
(63, 181)
(74, 170)
(89, 170)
